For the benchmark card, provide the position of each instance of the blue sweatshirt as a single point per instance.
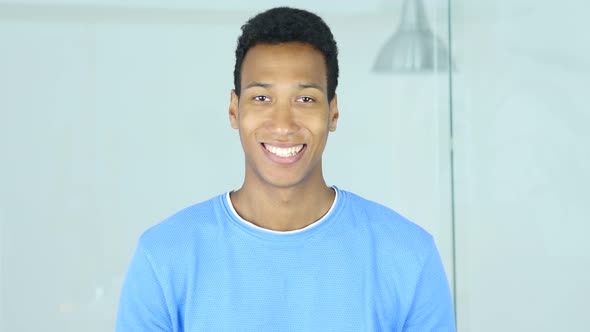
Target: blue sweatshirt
(362, 267)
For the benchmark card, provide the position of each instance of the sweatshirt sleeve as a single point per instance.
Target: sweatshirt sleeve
(432, 306)
(142, 303)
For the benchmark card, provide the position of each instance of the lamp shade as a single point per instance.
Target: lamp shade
(413, 47)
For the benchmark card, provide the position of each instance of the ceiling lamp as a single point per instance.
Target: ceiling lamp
(413, 47)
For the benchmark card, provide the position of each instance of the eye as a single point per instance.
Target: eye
(305, 99)
(261, 98)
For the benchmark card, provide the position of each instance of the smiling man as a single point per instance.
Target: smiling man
(285, 252)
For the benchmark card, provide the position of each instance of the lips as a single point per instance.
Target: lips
(284, 153)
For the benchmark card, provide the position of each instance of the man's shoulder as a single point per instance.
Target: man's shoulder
(385, 222)
(185, 225)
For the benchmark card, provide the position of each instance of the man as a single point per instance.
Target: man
(285, 252)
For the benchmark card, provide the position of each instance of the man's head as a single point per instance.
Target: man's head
(284, 104)
(283, 25)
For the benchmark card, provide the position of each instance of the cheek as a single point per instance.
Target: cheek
(247, 128)
(319, 125)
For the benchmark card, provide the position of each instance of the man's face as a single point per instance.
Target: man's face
(283, 114)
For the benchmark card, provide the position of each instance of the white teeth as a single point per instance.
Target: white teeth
(284, 152)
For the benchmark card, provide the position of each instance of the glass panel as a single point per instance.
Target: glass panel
(521, 147)
(394, 132)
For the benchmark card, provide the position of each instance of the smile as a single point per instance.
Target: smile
(283, 152)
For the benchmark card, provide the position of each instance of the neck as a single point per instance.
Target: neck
(283, 208)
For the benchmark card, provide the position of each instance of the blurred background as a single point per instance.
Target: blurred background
(468, 117)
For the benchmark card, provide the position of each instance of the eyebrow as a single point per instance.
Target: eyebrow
(258, 84)
(310, 86)
(305, 85)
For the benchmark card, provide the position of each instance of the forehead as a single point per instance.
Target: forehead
(285, 61)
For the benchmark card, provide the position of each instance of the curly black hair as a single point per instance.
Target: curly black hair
(283, 25)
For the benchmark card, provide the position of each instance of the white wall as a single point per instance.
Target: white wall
(109, 128)
(114, 118)
(522, 166)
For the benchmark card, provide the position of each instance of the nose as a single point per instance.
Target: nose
(282, 120)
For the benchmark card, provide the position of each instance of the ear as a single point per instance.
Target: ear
(333, 116)
(233, 109)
